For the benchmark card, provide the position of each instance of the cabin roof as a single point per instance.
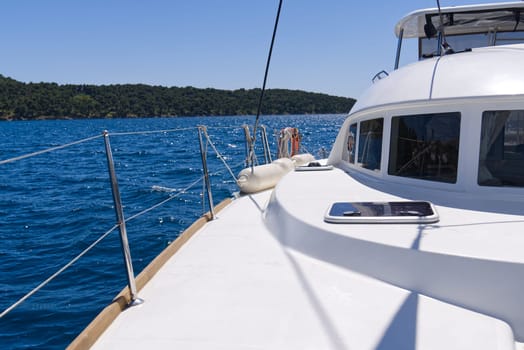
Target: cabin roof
(465, 19)
(489, 71)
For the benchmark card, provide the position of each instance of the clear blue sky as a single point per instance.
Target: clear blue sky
(328, 46)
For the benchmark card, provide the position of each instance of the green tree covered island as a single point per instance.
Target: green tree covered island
(26, 101)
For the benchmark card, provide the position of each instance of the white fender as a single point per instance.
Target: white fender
(264, 176)
(302, 159)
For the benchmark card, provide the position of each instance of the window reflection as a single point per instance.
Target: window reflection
(501, 158)
(425, 146)
(370, 143)
(429, 47)
(352, 136)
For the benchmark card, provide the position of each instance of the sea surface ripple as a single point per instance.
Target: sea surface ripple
(54, 205)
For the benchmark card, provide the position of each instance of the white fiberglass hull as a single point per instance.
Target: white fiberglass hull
(282, 278)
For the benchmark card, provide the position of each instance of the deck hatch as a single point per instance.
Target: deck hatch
(382, 212)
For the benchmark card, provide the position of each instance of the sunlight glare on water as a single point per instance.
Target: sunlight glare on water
(55, 205)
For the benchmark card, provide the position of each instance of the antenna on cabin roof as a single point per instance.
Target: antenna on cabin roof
(446, 48)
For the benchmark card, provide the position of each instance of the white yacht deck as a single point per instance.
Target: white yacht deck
(245, 282)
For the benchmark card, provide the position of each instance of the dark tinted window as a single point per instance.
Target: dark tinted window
(425, 146)
(501, 158)
(370, 143)
(429, 47)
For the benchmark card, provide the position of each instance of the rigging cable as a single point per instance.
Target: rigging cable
(53, 276)
(209, 142)
(252, 146)
(10, 160)
(447, 48)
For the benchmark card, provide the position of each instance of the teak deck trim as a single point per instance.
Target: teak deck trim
(94, 330)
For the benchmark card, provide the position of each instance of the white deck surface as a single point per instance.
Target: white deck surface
(236, 285)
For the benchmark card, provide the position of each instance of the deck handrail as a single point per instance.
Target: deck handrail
(121, 221)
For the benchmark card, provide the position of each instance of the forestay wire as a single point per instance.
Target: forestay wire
(252, 146)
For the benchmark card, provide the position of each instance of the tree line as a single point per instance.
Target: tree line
(25, 101)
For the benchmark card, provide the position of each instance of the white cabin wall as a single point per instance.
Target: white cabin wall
(471, 110)
(337, 151)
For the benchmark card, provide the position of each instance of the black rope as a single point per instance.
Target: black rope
(252, 151)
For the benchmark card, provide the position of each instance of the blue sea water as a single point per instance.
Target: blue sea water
(54, 205)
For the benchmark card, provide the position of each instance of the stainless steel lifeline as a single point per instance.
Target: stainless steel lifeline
(121, 222)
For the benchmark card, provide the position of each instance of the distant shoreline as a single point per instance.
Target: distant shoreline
(43, 118)
(45, 101)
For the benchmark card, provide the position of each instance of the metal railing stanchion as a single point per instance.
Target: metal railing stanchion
(135, 300)
(247, 135)
(265, 143)
(202, 129)
(121, 222)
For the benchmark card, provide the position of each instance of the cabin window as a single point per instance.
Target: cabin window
(507, 38)
(370, 143)
(471, 29)
(501, 158)
(425, 146)
(429, 47)
(352, 138)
